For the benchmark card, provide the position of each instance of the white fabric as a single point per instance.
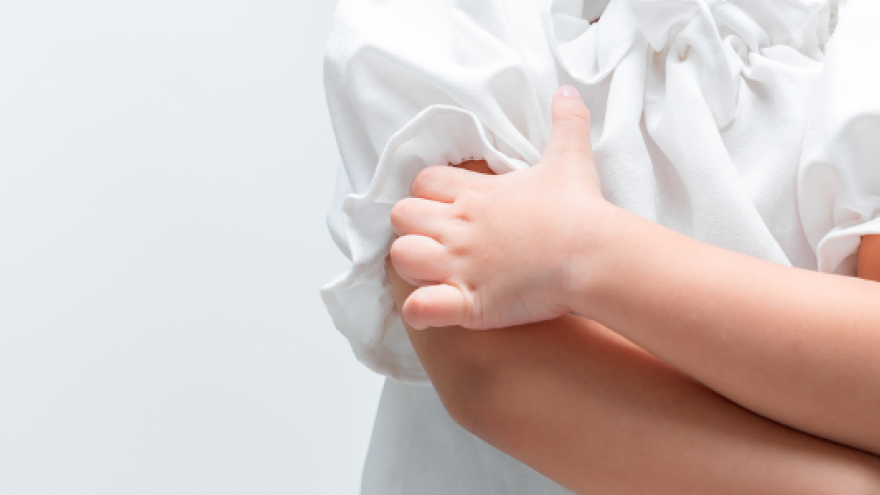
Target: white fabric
(839, 182)
(700, 108)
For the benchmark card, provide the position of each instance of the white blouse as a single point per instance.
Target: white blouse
(706, 119)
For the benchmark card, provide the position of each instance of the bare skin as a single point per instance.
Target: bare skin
(795, 346)
(868, 265)
(597, 414)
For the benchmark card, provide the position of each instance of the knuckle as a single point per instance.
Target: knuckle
(423, 180)
(571, 151)
(460, 212)
(576, 113)
(460, 249)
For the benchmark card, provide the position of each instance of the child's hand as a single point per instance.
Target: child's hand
(497, 251)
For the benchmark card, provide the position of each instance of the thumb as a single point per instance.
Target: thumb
(571, 125)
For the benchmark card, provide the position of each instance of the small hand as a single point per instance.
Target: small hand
(496, 251)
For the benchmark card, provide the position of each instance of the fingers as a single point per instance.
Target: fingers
(435, 306)
(420, 217)
(442, 183)
(420, 260)
(571, 125)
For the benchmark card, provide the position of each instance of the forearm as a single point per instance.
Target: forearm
(592, 411)
(794, 345)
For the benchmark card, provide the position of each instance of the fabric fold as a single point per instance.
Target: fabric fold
(839, 175)
(359, 300)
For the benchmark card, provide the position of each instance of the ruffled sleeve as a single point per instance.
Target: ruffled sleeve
(412, 84)
(839, 176)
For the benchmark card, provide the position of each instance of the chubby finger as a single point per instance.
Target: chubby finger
(420, 260)
(435, 306)
(443, 183)
(420, 217)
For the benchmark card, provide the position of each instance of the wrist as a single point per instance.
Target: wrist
(595, 249)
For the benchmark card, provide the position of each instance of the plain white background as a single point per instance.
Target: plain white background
(165, 167)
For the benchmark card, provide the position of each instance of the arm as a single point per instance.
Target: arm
(597, 414)
(796, 346)
(868, 266)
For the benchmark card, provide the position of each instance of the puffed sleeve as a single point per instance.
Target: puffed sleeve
(412, 84)
(839, 176)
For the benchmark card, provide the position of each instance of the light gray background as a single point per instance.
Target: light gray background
(165, 167)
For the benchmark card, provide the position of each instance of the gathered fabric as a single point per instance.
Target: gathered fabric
(745, 124)
(839, 174)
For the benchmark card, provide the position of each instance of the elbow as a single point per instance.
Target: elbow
(487, 398)
(463, 365)
(461, 408)
(464, 390)
(468, 370)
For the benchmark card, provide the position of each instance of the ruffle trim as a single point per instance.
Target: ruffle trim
(837, 251)
(359, 300)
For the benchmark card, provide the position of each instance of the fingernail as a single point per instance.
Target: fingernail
(569, 92)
